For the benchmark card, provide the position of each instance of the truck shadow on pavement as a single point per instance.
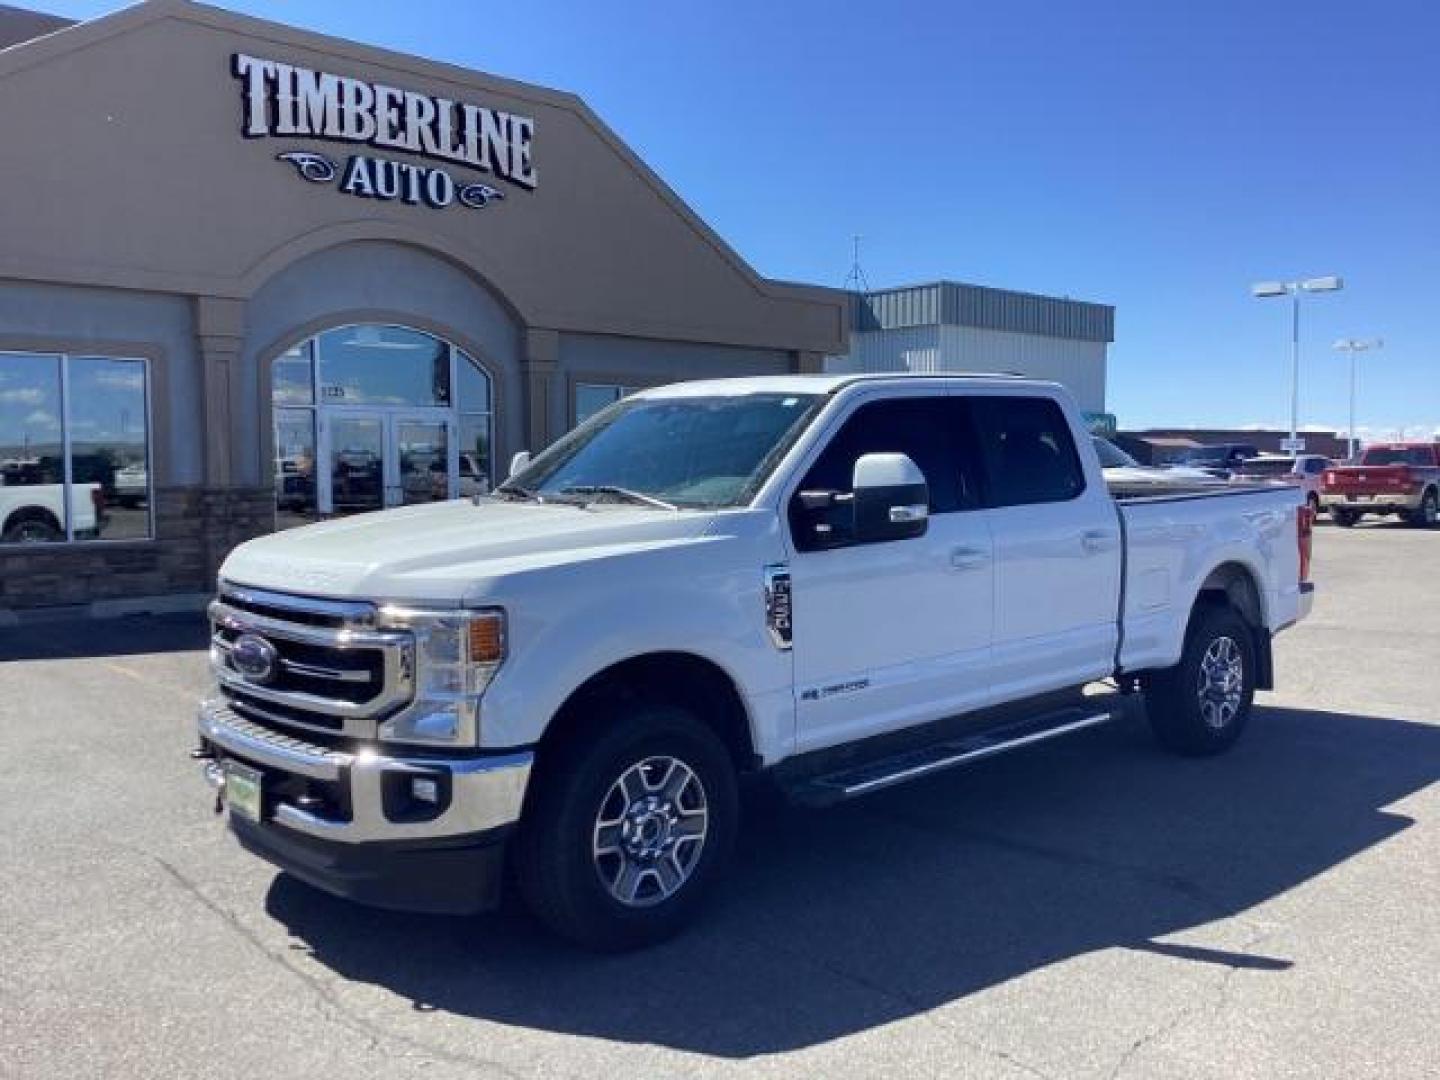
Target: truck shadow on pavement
(840, 921)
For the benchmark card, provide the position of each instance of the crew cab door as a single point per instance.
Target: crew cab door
(892, 633)
(1057, 548)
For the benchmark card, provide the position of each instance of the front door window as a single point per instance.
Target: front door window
(370, 416)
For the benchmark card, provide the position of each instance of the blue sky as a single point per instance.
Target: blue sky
(1155, 156)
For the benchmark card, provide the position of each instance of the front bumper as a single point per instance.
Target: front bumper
(345, 820)
(1389, 502)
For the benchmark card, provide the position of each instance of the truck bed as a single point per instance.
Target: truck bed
(1175, 536)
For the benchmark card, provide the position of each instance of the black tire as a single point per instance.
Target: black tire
(1344, 518)
(1425, 517)
(1313, 501)
(32, 527)
(1190, 714)
(556, 866)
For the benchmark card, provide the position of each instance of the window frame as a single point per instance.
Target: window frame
(67, 483)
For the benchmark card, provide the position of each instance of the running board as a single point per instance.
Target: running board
(854, 781)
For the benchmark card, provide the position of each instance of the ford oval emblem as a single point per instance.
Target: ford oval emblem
(254, 657)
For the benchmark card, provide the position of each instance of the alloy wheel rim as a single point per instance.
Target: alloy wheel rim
(1220, 684)
(650, 831)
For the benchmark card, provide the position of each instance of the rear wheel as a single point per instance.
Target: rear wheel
(1200, 706)
(629, 829)
(1313, 501)
(1342, 517)
(1429, 511)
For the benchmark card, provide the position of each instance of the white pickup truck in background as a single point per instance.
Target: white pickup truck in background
(35, 513)
(838, 582)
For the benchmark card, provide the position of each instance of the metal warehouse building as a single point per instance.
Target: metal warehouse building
(251, 276)
(947, 326)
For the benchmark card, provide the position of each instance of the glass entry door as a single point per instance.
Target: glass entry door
(423, 469)
(374, 460)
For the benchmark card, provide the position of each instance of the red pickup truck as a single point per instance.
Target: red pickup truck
(1392, 478)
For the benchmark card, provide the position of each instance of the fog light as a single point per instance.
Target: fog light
(422, 790)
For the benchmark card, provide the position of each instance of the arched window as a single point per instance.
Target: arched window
(370, 415)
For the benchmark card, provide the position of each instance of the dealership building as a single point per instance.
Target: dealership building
(949, 326)
(253, 276)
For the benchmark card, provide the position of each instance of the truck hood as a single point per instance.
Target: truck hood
(446, 552)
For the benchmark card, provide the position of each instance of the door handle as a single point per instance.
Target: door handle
(968, 558)
(1097, 541)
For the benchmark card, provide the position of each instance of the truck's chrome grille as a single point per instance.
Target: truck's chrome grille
(315, 664)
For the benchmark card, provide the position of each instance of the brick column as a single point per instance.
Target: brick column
(229, 512)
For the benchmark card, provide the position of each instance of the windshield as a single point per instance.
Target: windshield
(1397, 455)
(692, 452)
(1282, 466)
(1111, 456)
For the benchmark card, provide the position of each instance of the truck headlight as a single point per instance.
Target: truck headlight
(456, 655)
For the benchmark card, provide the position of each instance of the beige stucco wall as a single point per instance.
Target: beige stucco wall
(125, 166)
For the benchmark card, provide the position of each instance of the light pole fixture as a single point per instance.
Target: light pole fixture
(1353, 346)
(1293, 289)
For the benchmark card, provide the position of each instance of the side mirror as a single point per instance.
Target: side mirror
(519, 463)
(892, 500)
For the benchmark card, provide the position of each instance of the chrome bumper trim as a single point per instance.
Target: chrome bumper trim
(486, 792)
(1388, 502)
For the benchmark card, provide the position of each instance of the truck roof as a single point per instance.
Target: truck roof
(828, 384)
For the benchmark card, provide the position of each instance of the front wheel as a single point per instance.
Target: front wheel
(1200, 706)
(629, 828)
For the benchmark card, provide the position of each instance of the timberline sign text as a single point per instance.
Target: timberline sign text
(283, 100)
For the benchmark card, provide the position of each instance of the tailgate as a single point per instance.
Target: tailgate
(1367, 479)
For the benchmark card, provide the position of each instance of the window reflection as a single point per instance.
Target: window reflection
(294, 467)
(294, 382)
(363, 419)
(383, 365)
(474, 456)
(102, 409)
(474, 384)
(32, 471)
(109, 464)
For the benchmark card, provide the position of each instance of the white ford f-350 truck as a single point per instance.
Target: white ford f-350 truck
(840, 583)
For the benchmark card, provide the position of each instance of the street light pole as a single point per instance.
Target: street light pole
(1293, 289)
(1353, 346)
(1294, 365)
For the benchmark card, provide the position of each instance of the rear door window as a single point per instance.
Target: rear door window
(1028, 451)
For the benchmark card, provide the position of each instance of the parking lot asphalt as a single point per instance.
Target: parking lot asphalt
(1090, 908)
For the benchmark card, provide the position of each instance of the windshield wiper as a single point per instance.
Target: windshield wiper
(620, 493)
(518, 492)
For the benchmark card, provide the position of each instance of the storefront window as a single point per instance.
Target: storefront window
(295, 501)
(74, 449)
(590, 398)
(383, 365)
(400, 417)
(295, 377)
